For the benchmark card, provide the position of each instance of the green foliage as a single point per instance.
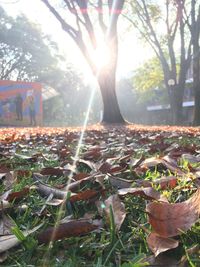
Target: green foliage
(148, 83)
(148, 76)
(26, 53)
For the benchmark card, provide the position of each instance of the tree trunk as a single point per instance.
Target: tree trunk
(196, 88)
(111, 111)
(107, 78)
(176, 100)
(196, 52)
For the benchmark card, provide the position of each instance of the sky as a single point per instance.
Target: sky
(132, 53)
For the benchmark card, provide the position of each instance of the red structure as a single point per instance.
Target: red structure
(20, 103)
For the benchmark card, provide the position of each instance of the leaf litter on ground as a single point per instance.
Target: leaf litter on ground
(125, 177)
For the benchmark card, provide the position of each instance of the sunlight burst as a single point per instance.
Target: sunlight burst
(101, 56)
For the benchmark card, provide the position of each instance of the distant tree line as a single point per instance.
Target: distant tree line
(171, 28)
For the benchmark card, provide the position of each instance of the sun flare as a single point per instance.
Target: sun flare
(101, 56)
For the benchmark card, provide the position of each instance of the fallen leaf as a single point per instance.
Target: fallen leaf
(80, 176)
(52, 171)
(5, 225)
(65, 230)
(137, 162)
(105, 167)
(118, 209)
(190, 158)
(119, 182)
(9, 241)
(4, 169)
(170, 220)
(159, 244)
(147, 193)
(92, 154)
(54, 202)
(166, 182)
(74, 186)
(17, 195)
(87, 164)
(47, 190)
(84, 195)
(9, 180)
(32, 158)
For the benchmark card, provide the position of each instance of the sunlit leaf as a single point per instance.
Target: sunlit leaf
(169, 220)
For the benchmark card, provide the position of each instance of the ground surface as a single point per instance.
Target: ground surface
(115, 196)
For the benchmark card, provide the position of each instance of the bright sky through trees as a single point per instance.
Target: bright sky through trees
(131, 52)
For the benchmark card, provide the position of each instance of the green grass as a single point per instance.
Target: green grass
(106, 248)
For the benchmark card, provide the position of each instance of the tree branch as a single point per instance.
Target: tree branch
(66, 27)
(88, 24)
(100, 16)
(75, 35)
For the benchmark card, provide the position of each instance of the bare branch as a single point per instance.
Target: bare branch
(72, 9)
(88, 24)
(66, 27)
(100, 16)
(153, 33)
(76, 35)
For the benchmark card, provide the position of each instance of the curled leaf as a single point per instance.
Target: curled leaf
(118, 209)
(170, 220)
(159, 244)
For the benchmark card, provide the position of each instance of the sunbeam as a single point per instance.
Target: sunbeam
(76, 157)
(100, 65)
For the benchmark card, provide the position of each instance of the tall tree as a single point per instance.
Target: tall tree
(193, 22)
(162, 25)
(84, 34)
(25, 52)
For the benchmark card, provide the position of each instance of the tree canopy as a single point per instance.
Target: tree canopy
(26, 53)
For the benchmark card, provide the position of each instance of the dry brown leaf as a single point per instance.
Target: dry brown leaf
(9, 180)
(54, 202)
(93, 153)
(105, 167)
(5, 225)
(191, 158)
(80, 176)
(118, 209)
(119, 182)
(47, 190)
(166, 162)
(166, 182)
(74, 186)
(4, 169)
(86, 163)
(159, 244)
(84, 195)
(169, 219)
(17, 195)
(65, 230)
(147, 193)
(52, 171)
(9, 241)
